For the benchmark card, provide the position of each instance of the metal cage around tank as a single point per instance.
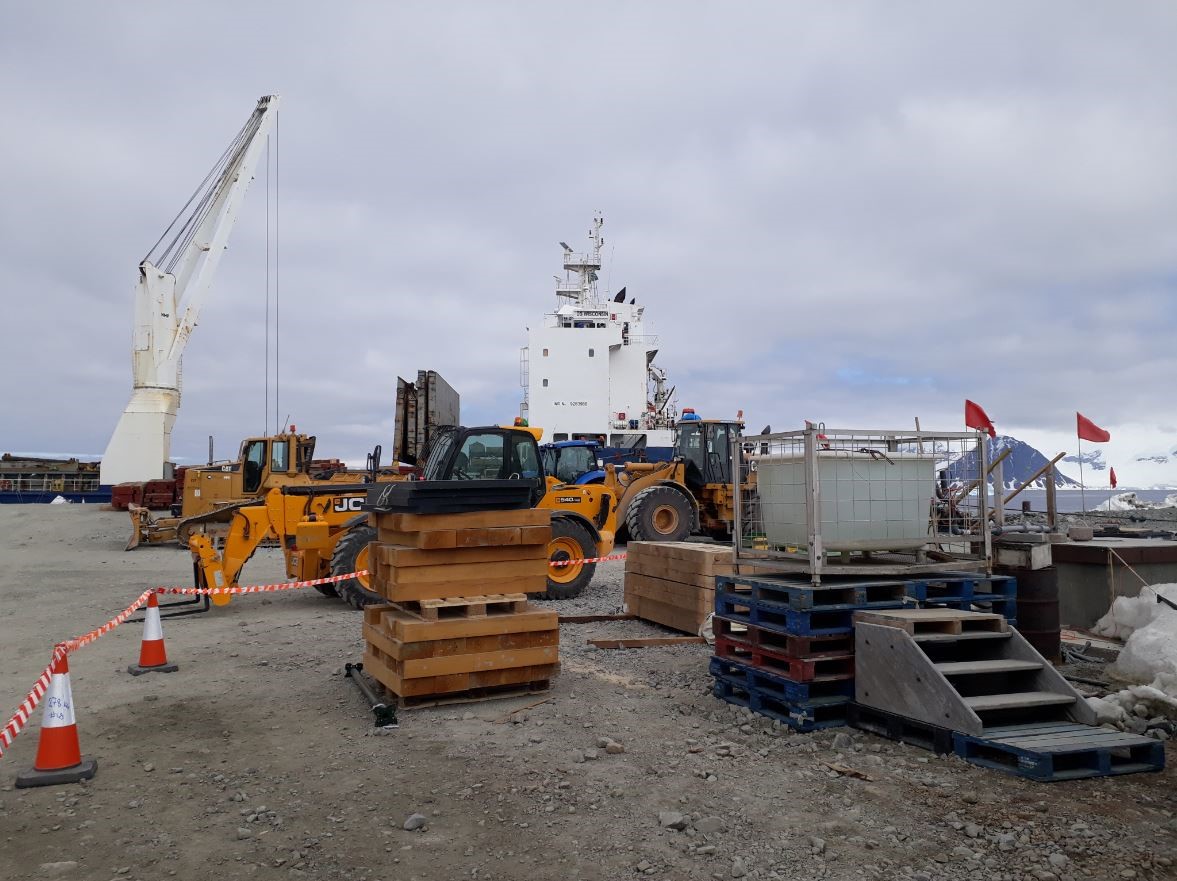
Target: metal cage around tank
(860, 502)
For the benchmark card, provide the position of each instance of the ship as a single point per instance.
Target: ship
(588, 372)
(33, 480)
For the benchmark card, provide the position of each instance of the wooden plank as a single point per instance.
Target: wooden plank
(667, 615)
(380, 669)
(475, 587)
(683, 595)
(448, 665)
(589, 619)
(400, 650)
(470, 520)
(669, 573)
(649, 642)
(407, 627)
(405, 557)
(462, 572)
(466, 538)
(691, 556)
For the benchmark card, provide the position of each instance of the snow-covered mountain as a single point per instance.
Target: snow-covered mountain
(1093, 459)
(1018, 466)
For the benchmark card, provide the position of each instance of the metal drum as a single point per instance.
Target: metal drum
(1038, 614)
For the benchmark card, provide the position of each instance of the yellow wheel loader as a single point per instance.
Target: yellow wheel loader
(323, 531)
(691, 493)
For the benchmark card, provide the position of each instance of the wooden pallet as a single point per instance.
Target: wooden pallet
(919, 622)
(407, 557)
(467, 607)
(804, 647)
(798, 669)
(456, 648)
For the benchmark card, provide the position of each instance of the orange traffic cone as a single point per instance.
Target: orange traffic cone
(59, 757)
(152, 656)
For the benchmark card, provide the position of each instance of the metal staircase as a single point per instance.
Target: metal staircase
(940, 676)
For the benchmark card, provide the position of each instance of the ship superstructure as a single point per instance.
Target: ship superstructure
(588, 368)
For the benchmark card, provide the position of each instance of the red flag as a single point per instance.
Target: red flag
(1089, 431)
(975, 417)
(1113, 477)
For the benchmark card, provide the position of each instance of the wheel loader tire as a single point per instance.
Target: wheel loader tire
(570, 541)
(351, 555)
(659, 513)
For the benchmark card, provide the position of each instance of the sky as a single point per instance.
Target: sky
(857, 213)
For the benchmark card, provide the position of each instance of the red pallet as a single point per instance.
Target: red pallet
(789, 645)
(827, 668)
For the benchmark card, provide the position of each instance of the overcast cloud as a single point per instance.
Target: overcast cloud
(852, 212)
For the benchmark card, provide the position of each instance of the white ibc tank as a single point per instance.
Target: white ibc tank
(867, 502)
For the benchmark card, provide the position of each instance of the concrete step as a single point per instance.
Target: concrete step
(965, 668)
(1017, 700)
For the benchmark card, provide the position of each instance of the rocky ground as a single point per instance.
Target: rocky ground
(257, 760)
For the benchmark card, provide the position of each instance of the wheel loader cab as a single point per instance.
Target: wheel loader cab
(705, 449)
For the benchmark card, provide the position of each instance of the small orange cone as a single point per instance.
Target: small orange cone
(59, 756)
(153, 658)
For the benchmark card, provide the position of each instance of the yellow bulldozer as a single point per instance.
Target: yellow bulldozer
(323, 530)
(213, 492)
(689, 494)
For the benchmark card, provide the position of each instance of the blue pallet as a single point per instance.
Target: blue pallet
(757, 679)
(1052, 751)
(804, 596)
(960, 587)
(820, 713)
(780, 618)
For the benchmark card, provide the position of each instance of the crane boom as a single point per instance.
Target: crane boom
(177, 274)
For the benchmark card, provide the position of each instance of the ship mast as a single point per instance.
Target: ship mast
(586, 266)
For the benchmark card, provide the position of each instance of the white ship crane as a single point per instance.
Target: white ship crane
(176, 275)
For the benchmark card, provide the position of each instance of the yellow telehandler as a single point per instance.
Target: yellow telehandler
(323, 530)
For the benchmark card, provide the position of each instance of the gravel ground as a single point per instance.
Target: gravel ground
(257, 760)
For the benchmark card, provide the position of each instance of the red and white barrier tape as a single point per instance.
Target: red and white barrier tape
(24, 712)
(587, 560)
(20, 718)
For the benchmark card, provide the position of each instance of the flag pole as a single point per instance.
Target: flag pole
(1082, 483)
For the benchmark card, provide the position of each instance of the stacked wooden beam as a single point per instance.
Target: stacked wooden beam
(458, 624)
(673, 583)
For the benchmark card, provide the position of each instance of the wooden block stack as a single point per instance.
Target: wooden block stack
(458, 624)
(673, 583)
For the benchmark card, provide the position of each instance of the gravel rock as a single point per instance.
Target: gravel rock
(673, 820)
(843, 741)
(414, 822)
(243, 833)
(59, 868)
(738, 869)
(710, 825)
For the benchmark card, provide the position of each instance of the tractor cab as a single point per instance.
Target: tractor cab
(704, 446)
(575, 461)
(487, 453)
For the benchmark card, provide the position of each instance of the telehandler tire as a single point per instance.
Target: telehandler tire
(570, 541)
(659, 513)
(351, 555)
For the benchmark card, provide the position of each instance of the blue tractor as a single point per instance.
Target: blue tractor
(573, 461)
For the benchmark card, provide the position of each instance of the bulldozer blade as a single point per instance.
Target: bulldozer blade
(138, 517)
